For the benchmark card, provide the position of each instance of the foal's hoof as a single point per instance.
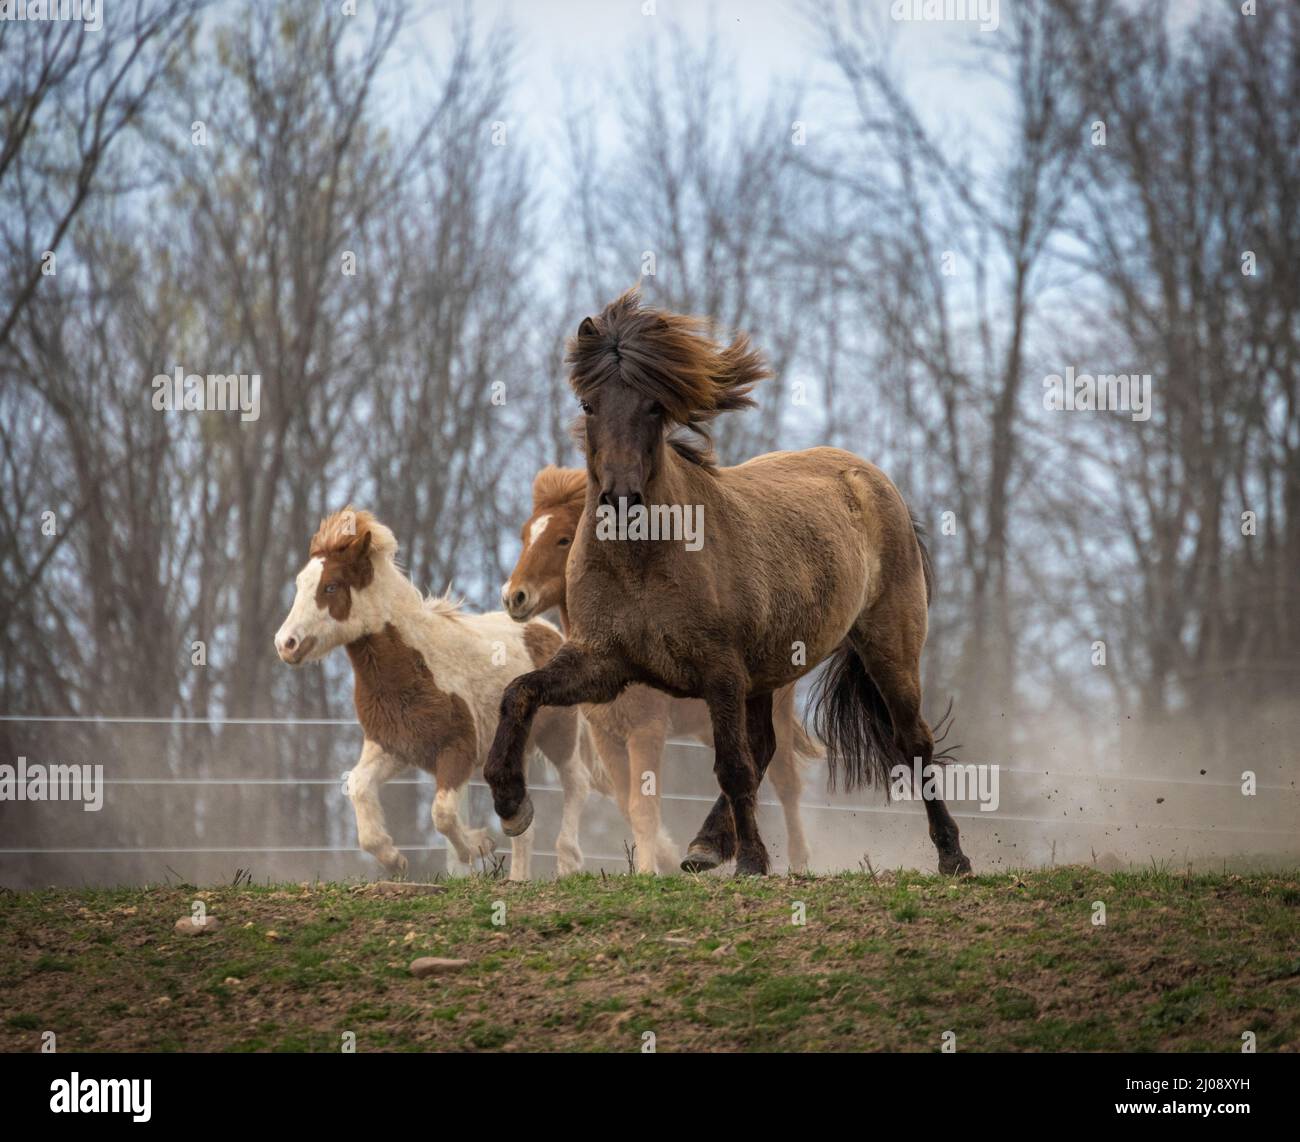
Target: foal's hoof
(955, 864)
(513, 826)
(701, 858)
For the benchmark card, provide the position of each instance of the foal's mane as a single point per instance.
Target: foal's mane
(556, 487)
(671, 358)
(337, 531)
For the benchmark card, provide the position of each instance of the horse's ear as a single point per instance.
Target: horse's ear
(359, 548)
(587, 328)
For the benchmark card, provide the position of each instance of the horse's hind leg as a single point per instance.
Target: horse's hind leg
(371, 771)
(898, 678)
(784, 775)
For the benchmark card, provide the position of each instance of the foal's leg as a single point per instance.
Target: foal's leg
(613, 755)
(613, 751)
(469, 844)
(737, 722)
(452, 769)
(573, 675)
(568, 847)
(786, 779)
(374, 768)
(521, 855)
(645, 749)
(558, 734)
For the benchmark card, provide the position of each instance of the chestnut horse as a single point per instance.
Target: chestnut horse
(428, 681)
(805, 556)
(630, 731)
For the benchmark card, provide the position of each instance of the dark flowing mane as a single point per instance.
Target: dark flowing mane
(671, 358)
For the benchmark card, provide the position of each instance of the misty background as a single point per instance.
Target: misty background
(396, 217)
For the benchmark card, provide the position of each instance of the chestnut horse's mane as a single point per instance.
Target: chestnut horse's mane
(671, 358)
(554, 487)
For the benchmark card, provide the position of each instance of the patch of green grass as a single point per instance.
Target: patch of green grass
(1006, 962)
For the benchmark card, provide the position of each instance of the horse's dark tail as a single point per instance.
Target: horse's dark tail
(852, 719)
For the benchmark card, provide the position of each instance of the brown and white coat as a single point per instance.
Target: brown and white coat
(428, 683)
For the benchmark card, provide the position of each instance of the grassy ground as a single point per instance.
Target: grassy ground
(589, 963)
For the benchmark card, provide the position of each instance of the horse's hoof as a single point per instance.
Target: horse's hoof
(751, 866)
(514, 826)
(701, 858)
(955, 864)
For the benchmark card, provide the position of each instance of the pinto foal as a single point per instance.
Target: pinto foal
(630, 731)
(806, 556)
(428, 682)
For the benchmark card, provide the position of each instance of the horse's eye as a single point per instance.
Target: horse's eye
(586, 408)
(562, 543)
(330, 588)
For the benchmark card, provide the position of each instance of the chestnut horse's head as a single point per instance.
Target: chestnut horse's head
(537, 582)
(640, 373)
(332, 606)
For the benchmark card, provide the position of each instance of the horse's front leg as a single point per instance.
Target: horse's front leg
(736, 721)
(717, 839)
(573, 675)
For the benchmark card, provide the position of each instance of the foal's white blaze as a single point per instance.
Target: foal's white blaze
(539, 526)
(306, 620)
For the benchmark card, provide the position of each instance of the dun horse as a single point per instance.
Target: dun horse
(428, 682)
(630, 731)
(805, 556)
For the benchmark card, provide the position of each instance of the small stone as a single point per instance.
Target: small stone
(434, 965)
(188, 926)
(399, 888)
(232, 981)
(274, 936)
(161, 1001)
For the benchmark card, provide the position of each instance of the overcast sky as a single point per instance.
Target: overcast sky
(586, 43)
